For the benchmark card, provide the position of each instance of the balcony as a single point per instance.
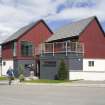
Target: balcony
(60, 47)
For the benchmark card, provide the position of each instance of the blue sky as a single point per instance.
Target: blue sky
(14, 14)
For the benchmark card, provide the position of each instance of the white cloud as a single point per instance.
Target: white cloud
(17, 13)
(96, 9)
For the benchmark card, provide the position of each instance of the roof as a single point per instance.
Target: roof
(21, 31)
(18, 33)
(71, 30)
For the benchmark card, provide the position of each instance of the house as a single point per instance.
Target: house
(22, 48)
(82, 46)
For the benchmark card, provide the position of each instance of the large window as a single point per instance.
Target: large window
(26, 48)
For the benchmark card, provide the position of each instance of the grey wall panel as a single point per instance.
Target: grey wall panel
(22, 62)
(73, 62)
(76, 64)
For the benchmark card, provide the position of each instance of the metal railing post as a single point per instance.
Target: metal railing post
(76, 47)
(41, 49)
(83, 48)
(66, 48)
(53, 49)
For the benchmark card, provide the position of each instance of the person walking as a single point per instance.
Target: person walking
(10, 75)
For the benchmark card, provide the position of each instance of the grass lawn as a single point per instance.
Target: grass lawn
(3, 78)
(47, 81)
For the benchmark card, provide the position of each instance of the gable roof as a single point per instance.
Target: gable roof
(71, 30)
(23, 30)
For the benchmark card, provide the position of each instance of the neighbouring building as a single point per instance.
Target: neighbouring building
(22, 48)
(82, 46)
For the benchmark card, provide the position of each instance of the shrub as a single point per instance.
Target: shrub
(21, 69)
(20, 73)
(21, 77)
(62, 72)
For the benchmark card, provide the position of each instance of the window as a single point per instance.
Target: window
(91, 63)
(26, 48)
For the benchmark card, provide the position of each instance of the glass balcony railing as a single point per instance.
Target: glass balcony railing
(60, 47)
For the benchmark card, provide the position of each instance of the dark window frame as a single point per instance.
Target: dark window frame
(26, 48)
(91, 63)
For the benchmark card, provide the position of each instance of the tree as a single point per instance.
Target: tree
(21, 69)
(21, 73)
(62, 72)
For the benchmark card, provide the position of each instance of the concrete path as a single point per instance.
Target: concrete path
(74, 83)
(80, 83)
(83, 83)
(5, 82)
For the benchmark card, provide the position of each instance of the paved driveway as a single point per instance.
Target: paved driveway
(51, 95)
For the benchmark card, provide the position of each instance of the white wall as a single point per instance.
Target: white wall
(0, 70)
(95, 76)
(8, 63)
(99, 65)
(96, 72)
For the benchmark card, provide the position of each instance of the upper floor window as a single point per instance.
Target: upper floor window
(26, 48)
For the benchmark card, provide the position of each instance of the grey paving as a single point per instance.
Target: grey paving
(51, 95)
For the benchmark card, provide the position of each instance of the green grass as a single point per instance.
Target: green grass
(46, 81)
(3, 78)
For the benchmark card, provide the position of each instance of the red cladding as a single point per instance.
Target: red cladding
(92, 37)
(7, 51)
(39, 33)
(94, 41)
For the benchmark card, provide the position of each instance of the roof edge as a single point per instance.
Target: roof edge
(93, 17)
(41, 20)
